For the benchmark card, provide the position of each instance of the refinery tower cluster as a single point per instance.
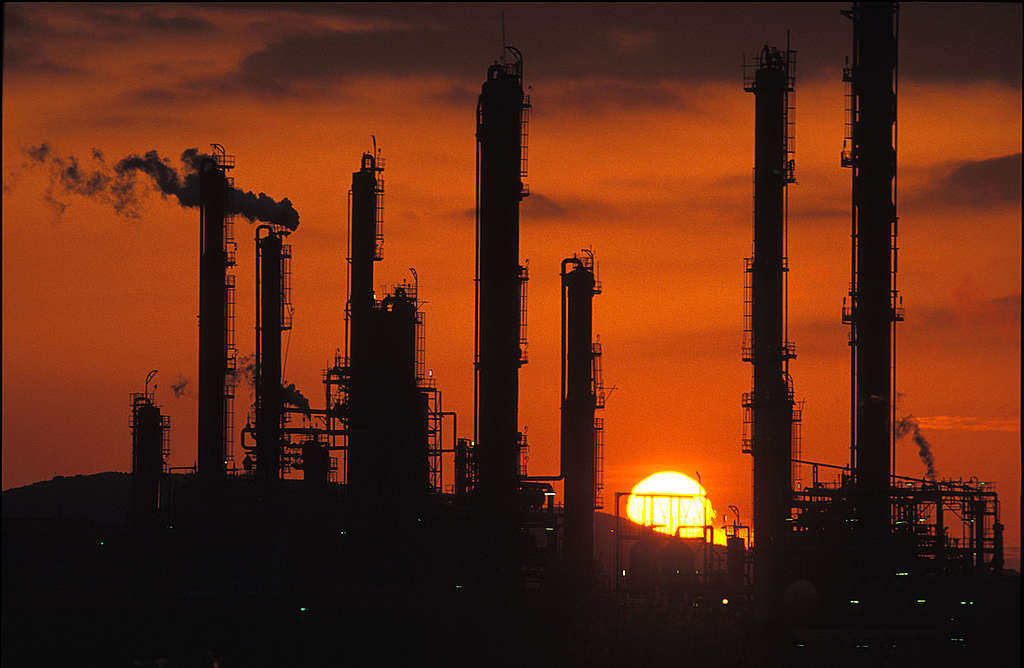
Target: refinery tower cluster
(395, 505)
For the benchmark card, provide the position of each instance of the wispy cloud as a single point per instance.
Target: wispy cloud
(974, 184)
(968, 423)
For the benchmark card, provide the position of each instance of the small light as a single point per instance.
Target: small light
(903, 573)
(922, 600)
(341, 533)
(549, 493)
(623, 572)
(725, 601)
(101, 543)
(302, 609)
(963, 602)
(854, 601)
(458, 586)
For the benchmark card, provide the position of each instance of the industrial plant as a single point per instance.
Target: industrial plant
(372, 524)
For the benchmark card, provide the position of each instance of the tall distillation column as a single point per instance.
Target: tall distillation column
(770, 404)
(579, 402)
(873, 310)
(499, 133)
(216, 353)
(270, 314)
(365, 249)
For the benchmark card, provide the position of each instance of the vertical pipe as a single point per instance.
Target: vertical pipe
(874, 165)
(212, 327)
(772, 402)
(499, 122)
(578, 405)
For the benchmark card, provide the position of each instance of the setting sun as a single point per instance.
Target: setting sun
(672, 502)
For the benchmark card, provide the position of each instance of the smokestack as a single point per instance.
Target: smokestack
(578, 405)
(216, 354)
(500, 134)
(873, 312)
(769, 406)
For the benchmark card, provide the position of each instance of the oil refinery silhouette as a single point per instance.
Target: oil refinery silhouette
(404, 542)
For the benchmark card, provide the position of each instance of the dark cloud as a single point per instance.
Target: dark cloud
(961, 42)
(455, 96)
(157, 96)
(1010, 303)
(540, 206)
(178, 23)
(21, 60)
(633, 44)
(626, 48)
(974, 184)
(611, 95)
(592, 56)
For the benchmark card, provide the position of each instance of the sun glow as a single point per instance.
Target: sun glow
(673, 504)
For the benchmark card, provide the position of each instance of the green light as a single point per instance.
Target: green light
(921, 600)
(903, 573)
(303, 609)
(854, 601)
(101, 543)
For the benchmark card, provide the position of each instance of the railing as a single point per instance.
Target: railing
(378, 214)
(286, 286)
(598, 463)
(524, 277)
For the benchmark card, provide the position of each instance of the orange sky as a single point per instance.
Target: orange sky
(641, 146)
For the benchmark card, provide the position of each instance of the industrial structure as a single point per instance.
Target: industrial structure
(769, 407)
(216, 323)
(397, 509)
(582, 394)
(150, 448)
(501, 128)
(861, 544)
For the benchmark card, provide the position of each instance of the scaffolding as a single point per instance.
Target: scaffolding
(952, 527)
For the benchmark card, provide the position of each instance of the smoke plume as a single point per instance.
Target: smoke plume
(291, 395)
(179, 387)
(117, 185)
(909, 425)
(246, 366)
